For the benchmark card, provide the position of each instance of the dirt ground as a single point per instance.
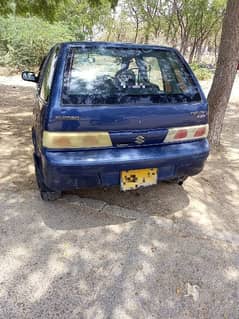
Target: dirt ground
(160, 252)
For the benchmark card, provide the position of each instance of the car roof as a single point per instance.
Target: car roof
(127, 45)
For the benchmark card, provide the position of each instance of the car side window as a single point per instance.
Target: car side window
(47, 76)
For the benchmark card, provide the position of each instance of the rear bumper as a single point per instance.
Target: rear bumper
(71, 170)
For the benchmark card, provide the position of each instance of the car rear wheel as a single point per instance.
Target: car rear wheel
(50, 196)
(45, 192)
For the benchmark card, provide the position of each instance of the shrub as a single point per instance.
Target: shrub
(202, 72)
(24, 41)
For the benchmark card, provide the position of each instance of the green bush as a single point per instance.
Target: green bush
(201, 71)
(25, 41)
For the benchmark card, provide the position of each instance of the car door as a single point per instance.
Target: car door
(46, 74)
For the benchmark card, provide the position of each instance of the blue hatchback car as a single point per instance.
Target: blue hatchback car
(116, 114)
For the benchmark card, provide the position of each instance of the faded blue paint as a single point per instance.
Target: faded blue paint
(79, 168)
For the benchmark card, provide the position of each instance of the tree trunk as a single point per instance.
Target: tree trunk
(226, 69)
(184, 45)
(200, 50)
(192, 52)
(146, 36)
(215, 47)
(136, 30)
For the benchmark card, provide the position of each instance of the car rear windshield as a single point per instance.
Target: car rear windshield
(103, 75)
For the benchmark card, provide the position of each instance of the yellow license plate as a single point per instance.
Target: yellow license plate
(134, 179)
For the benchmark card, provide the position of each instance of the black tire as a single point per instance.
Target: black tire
(50, 196)
(46, 193)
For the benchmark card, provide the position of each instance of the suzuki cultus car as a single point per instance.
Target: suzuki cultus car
(116, 114)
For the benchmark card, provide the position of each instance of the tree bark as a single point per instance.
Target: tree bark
(146, 35)
(200, 50)
(192, 52)
(136, 29)
(228, 59)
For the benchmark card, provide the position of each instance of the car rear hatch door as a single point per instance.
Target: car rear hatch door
(133, 94)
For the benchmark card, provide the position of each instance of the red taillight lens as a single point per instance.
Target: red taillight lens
(180, 134)
(200, 132)
(186, 133)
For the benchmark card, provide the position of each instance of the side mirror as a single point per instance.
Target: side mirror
(29, 76)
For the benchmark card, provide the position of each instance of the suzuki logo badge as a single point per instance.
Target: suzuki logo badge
(139, 139)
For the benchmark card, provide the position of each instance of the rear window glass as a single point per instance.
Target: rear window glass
(100, 75)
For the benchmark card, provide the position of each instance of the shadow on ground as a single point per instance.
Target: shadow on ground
(120, 268)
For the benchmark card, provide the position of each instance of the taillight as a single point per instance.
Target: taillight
(186, 133)
(76, 139)
(180, 134)
(201, 131)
